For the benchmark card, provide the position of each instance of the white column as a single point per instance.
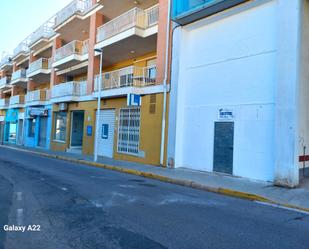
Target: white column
(287, 90)
(173, 104)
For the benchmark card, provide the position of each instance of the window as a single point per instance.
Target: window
(104, 131)
(60, 126)
(126, 80)
(129, 127)
(31, 127)
(152, 73)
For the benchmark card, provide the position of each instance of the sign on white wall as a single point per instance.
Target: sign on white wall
(226, 114)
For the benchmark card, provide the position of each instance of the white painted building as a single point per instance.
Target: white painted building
(240, 90)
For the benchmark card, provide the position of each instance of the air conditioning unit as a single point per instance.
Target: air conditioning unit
(63, 106)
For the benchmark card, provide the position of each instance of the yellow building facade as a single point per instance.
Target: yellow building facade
(63, 81)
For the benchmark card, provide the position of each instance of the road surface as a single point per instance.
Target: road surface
(77, 206)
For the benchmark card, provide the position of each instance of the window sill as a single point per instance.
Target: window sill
(59, 141)
(141, 154)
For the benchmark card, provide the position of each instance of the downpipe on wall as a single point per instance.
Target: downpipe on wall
(165, 83)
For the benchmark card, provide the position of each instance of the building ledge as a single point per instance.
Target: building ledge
(70, 60)
(37, 103)
(123, 91)
(16, 106)
(71, 98)
(126, 34)
(20, 80)
(39, 71)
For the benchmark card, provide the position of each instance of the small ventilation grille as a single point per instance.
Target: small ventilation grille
(152, 103)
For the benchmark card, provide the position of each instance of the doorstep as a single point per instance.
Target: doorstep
(297, 198)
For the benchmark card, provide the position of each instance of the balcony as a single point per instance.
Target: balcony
(135, 22)
(17, 101)
(188, 11)
(39, 70)
(76, 9)
(126, 80)
(21, 52)
(69, 91)
(41, 36)
(4, 103)
(6, 62)
(5, 83)
(71, 54)
(129, 35)
(19, 78)
(37, 97)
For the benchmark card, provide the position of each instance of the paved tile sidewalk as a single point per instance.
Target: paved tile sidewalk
(298, 197)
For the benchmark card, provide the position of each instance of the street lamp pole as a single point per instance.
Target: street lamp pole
(96, 143)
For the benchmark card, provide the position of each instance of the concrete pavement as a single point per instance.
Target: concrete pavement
(88, 207)
(238, 187)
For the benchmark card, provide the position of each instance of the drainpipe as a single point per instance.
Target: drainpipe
(96, 141)
(165, 83)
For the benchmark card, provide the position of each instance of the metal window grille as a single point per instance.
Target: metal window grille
(129, 129)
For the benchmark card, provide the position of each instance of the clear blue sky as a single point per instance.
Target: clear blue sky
(19, 18)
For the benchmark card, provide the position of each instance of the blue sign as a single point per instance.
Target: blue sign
(89, 130)
(104, 131)
(134, 100)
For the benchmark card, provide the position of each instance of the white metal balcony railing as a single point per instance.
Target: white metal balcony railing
(50, 62)
(17, 99)
(73, 88)
(19, 74)
(48, 94)
(133, 18)
(37, 95)
(128, 76)
(4, 102)
(5, 81)
(22, 47)
(6, 60)
(41, 63)
(45, 31)
(74, 47)
(75, 7)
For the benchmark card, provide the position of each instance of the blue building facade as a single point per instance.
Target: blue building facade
(37, 130)
(11, 128)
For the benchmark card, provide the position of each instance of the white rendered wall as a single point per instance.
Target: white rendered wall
(288, 93)
(229, 62)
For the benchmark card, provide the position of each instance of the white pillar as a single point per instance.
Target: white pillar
(173, 104)
(287, 93)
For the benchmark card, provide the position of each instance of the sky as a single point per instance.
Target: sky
(19, 18)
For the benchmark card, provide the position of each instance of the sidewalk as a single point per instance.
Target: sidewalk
(239, 187)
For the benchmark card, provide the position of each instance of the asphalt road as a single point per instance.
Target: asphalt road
(78, 206)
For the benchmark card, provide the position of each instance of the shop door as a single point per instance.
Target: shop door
(12, 132)
(20, 132)
(223, 147)
(42, 131)
(106, 133)
(77, 129)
